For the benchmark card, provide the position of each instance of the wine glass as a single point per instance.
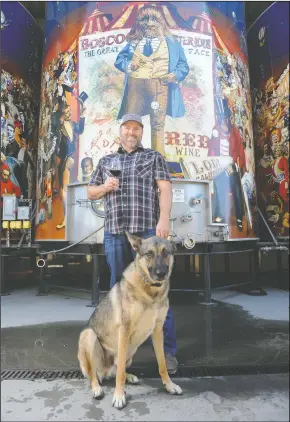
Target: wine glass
(114, 166)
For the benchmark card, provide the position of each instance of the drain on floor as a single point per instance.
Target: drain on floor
(183, 371)
(17, 374)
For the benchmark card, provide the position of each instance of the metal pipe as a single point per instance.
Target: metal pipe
(21, 240)
(267, 225)
(274, 248)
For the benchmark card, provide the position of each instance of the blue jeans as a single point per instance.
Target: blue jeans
(119, 255)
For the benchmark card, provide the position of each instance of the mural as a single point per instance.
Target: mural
(21, 51)
(182, 66)
(269, 60)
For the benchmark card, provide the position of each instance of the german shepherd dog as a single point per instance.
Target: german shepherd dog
(131, 311)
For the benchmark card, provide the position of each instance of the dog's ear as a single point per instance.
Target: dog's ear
(134, 240)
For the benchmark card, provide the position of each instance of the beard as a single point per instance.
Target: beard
(132, 141)
(152, 32)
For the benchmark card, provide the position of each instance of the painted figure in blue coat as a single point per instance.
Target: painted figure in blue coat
(154, 64)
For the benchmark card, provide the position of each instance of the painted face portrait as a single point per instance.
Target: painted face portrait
(5, 175)
(10, 132)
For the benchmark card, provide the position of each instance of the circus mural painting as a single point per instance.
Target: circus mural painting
(62, 113)
(21, 49)
(269, 64)
(183, 68)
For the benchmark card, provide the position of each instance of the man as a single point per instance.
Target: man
(154, 64)
(225, 143)
(27, 167)
(132, 204)
(7, 186)
(60, 91)
(69, 132)
(281, 172)
(4, 137)
(12, 148)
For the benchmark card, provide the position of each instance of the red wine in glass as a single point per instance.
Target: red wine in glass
(115, 172)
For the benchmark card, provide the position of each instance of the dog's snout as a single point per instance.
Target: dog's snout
(160, 274)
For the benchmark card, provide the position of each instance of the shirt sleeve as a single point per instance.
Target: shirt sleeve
(161, 171)
(97, 176)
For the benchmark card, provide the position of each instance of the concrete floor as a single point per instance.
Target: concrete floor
(242, 398)
(42, 332)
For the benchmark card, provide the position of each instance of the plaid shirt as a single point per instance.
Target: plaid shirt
(135, 206)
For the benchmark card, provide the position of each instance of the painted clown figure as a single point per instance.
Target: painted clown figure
(154, 63)
(281, 173)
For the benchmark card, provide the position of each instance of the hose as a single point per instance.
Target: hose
(70, 246)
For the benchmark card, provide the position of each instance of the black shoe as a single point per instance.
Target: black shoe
(171, 363)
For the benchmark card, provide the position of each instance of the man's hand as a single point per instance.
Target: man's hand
(112, 183)
(138, 62)
(162, 228)
(166, 79)
(230, 170)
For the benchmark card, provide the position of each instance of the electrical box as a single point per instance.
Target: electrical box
(9, 207)
(23, 213)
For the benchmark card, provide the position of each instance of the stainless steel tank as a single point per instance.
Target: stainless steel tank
(190, 215)
(85, 218)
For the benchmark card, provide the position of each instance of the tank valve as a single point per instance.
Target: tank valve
(186, 218)
(189, 243)
(196, 201)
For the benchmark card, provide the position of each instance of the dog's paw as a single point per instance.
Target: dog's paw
(98, 392)
(173, 388)
(132, 379)
(119, 401)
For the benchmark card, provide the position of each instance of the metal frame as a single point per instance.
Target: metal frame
(206, 250)
(13, 251)
(95, 251)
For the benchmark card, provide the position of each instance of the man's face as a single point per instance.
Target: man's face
(21, 117)
(10, 133)
(274, 139)
(5, 175)
(18, 130)
(266, 149)
(151, 27)
(131, 135)
(87, 168)
(3, 122)
(67, 114)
